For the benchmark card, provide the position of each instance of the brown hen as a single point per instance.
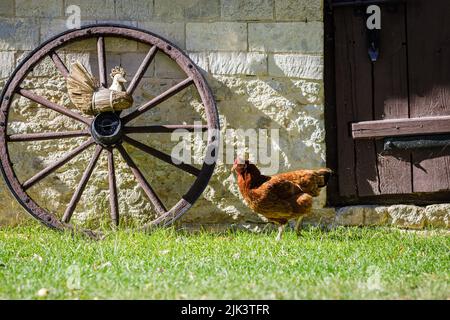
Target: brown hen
(281, 197)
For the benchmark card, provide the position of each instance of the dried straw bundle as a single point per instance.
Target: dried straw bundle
(110, 100)
(87, 96)
(81, 87)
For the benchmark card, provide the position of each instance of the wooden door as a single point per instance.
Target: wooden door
(384, 112)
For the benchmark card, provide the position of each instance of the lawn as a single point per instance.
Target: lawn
(346, 263)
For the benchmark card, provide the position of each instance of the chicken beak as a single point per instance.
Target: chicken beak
(122, 79)
(235, 164)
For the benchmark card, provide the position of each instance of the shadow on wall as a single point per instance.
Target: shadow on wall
(259, 102)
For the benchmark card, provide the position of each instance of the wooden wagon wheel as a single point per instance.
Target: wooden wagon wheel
(106, 141)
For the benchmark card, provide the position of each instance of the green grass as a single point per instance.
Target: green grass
(346, 263)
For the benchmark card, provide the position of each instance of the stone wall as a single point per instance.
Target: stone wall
(262, 58)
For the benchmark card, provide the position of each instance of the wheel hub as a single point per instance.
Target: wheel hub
(106, 129)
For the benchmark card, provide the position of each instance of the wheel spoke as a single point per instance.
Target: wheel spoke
(53, 106)
(161, 156)
(159, 206)
(59, 64)
(102, 61)
(113, 201)
(142, 69)
(164, 128)
(82, 185)
(159, 99)
(55, 165)
(46, 135)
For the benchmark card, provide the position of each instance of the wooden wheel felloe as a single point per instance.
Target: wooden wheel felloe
(101, 138)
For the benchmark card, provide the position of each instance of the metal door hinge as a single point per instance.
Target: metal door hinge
(416, 142)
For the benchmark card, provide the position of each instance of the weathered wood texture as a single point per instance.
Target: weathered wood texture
(429, 81)
(330, 103)
(349, 54)
(401, 127)
(405, 92)
(391, 99)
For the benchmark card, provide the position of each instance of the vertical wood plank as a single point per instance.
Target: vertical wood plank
(344, 107)
(331, 142)
(429, 78)
(391, 98)
(353, 103)
(366, 161)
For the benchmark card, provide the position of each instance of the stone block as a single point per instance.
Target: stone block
(247, 10)
(376, 216)
(310, 94)
(200, 59)
(18, 34)
(41, 8)
(438, 215)
(244, 63)
(166, 68)
(286, 37)
(6, 63)
(174, 32)
(134, 10)
(407, 216)
(320, 216)
(217, 36)
(52, 27)
(361, 216)
(120, 45)
(186, 9)
(99, 9)
(296, 66)
(7, 8)
(131, 62)
(46, 68)
(350, 216)
(305, 10)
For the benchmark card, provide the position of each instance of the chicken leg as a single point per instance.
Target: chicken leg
(280, 231)
(298, 226)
